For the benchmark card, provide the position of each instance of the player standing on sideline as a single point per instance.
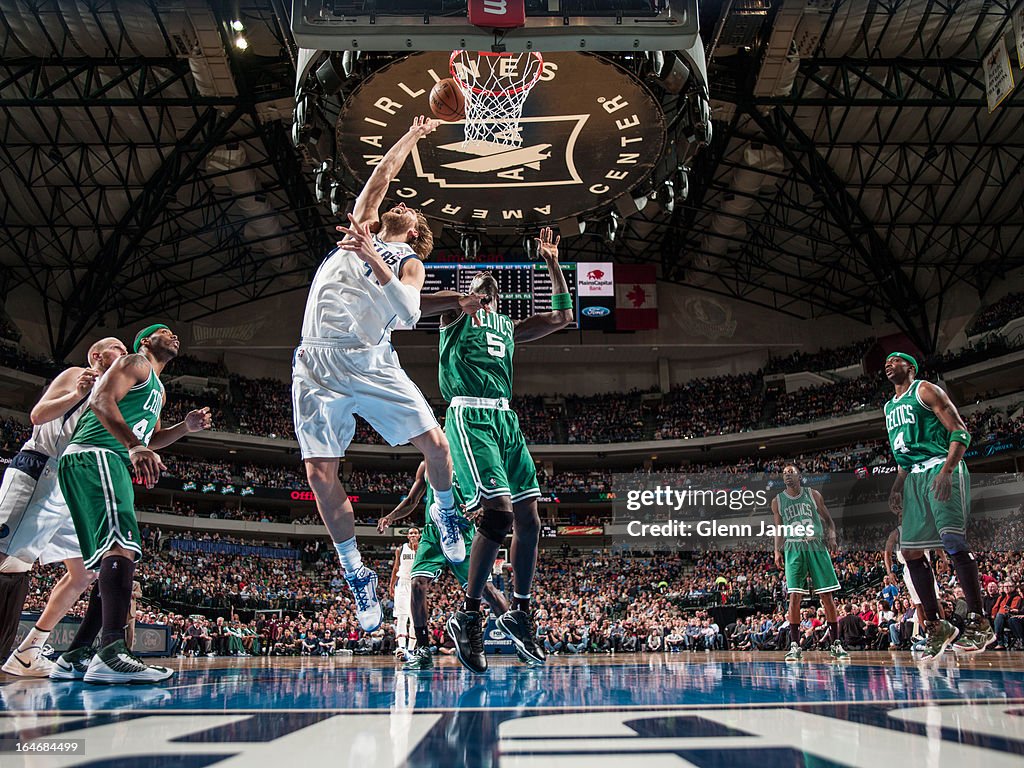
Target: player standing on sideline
(491, 460)
(115, 439)
(400, 588)
(806, 556)
(36, 521)
(429, 564)
(345, 365)
(933, 491)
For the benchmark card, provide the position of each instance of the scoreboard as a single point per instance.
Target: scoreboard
(525, 288)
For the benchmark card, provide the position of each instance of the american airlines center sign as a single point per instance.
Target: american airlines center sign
(590, 133)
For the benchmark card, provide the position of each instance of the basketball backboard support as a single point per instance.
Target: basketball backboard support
(551, 25)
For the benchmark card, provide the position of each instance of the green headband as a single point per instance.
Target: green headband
(146, 332)
(905, 356)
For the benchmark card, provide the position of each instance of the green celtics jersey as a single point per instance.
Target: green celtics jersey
(140, 409)
(915, 432)
(476, 360)
(801, 510)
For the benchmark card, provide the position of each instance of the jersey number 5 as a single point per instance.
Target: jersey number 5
(495, 346)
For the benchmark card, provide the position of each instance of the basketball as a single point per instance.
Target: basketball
(447, 102)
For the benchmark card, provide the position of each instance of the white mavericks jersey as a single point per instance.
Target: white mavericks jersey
(53, 437)
(346, 300)
(405, 562)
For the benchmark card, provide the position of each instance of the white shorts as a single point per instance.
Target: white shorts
(914, 598)
(403, 598)
(37, 523)
(332, 383)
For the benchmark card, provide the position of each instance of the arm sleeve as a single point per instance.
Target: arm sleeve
(404, 299)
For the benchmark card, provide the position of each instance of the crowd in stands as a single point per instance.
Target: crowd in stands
(13, 434)
(608, 418)
(186, 365)
(718, 405)
(8, 330)
(998, 314)
(822, 360)
(828, 400)
(263, 407)
(594, 601)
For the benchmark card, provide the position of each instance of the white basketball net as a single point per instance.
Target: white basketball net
(495, 87)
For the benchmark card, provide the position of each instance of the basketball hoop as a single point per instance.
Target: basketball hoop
(495, 87)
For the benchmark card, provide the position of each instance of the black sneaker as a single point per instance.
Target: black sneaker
(466, 629)
(418, 660)
(72, 665)
(518, 625)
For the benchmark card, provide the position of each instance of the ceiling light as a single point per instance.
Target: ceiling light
(241, 43)
(237, 25)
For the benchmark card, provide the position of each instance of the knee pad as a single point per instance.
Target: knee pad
(495, 524)
(10, 564)
(955, 544)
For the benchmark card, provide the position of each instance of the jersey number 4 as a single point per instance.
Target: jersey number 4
(495, 345)
(900, 444)
(139, 430)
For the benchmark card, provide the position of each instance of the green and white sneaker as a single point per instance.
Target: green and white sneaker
(418, 660)
(72, 665)
(977, 635)
(115, 664)
(938, 635)
(838, 652)
(795, 654)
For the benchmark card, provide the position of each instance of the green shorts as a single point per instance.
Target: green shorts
(924, 518)
(489, 454)
(430, 560)
(98, 488)
(803, 561)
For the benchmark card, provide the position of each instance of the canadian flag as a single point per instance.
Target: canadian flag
(636, 297)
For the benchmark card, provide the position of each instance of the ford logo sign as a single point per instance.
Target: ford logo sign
(596, 311)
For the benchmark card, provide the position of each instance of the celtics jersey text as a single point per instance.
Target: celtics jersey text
(915, 432)
(140, 409)
(476, 360)
(801, 510)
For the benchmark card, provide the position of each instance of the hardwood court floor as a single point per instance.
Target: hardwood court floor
(701, 709)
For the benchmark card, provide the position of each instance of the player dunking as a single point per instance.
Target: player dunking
(806, 555)
(346, 365)
(400, 588)
(115, 439)
(933, 491)
(428, 565)
(492, 463)
(36, 520)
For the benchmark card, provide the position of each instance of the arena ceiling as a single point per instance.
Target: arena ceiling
(146, 164)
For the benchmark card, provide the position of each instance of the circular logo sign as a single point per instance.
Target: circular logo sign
(590, 133)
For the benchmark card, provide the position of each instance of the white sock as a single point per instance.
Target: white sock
(445, 498)
(348, 553)
(35, 638)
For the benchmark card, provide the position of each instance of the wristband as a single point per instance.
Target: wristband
(136, 449)
(561, 301)
(960, 436)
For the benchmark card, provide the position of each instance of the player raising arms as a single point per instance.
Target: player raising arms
(806, 556)
(428, 565)
(346, 365)
(114, 440)
(492, 463)
(933, 491)
(37, 523)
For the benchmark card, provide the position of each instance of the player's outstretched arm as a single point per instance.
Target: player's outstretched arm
(444, 302)
(545, 323)
(826, 519)
(890, 547)
(777, 517)
(194, 421)
(64, 392)
(367, 207)
(412, 499)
